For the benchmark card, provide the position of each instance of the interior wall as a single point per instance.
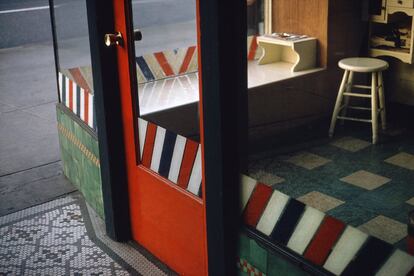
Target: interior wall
(399, 82)
(307, 17)
(341, 32)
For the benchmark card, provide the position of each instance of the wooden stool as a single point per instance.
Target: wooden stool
(361, 65)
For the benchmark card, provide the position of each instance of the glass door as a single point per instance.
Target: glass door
(159, 93)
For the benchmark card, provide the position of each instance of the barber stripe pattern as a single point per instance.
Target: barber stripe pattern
(161, 65)
(77, 99)
(317, 237)
(171, 155)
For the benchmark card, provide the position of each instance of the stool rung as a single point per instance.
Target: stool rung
(359, 108)
(362, 86)
(353, 119)
(357, 95)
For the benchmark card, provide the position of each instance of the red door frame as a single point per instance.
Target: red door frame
(177, 236)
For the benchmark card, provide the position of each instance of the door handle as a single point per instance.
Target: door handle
(114, 39)
(137, 35)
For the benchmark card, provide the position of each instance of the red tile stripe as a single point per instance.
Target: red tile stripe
(187, 59)
(252, 49)
(323, 241)
(257, 203)
(410, 245)
(86, 103)
(187, 163)
(149, 145)
(162, 60)
(79, 79)
(70, 94)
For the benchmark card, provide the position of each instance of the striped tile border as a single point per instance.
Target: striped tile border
(171, 155)
(246, 267)
(75, 88)
(161, 65)
(317, 237)
(78, 99)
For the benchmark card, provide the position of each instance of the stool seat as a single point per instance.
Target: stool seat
(363, 65)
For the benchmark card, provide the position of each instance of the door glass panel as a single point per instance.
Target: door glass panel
(168, 90)
(74, 56)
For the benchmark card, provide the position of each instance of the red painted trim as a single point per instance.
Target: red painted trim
(70, 94)
(187, 164)
(253, 48)
(200, 107)
(86, 101)
(79, 79)
(257, 204)
(327, 235)
(162, 60)
(187, 59)
(166, 220)
(410, 245)
(149, 144)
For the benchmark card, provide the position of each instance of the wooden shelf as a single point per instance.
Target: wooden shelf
(401, 54)
(392, 15)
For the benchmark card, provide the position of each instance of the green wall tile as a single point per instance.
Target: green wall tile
(244, 246)
(79, 169)
(277, 265)
(258, 256)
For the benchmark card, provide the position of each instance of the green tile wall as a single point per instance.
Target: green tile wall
(265, 260)
(77, 166)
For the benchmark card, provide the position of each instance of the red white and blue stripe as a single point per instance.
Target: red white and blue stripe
(78, 99)
(171, 155)
(317, 237)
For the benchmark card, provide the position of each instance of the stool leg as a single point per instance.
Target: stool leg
(346, 98)
(338, 103)
(374, 108)
(382, 101)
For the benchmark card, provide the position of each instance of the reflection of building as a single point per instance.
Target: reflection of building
(255, 17)
(172, 171)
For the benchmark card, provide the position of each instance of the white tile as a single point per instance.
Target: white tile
(195, 178)
(272, 212)
(384, 228)
(158, 146)
(305, 230)
(351, 144)
(177, 158)
(320, 201)
(247, 187)
(402, 159)
(142, 131)
(345, 250)
(366, 180)
(410, 201)
(399, 264)
(308, 160)
(267, 178)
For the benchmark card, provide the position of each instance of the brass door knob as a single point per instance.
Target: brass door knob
(114, 39)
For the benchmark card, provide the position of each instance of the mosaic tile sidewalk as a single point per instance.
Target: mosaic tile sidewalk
(366, 186)
(61, 238)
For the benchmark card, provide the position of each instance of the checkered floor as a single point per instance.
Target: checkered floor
(366, 186)
(65, 237)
